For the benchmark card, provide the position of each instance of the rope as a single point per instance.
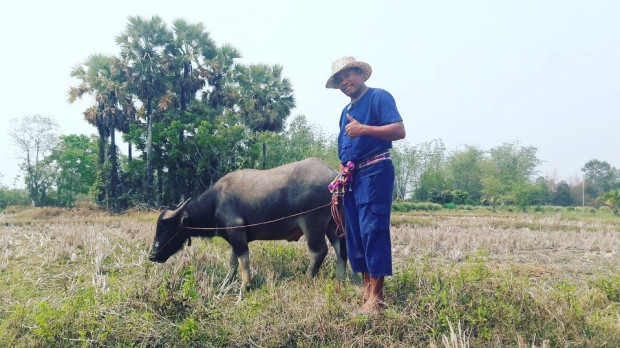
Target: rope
(343, 181)
(257, 224)
(189, 237)
(338, 215)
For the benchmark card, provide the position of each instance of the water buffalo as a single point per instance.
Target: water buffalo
(275, 204)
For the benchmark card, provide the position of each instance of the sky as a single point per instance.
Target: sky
(475, 73)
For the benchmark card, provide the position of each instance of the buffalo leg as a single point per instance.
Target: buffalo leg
(340, 248)
(246, 276)
(317, 247)
(233, 265)
(241, 255)
(238, 241)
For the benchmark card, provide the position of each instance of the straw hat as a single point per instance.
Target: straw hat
(345, 63)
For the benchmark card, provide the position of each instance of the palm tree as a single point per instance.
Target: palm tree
(184, 59)
(142, 45)
(219, 72)
(101, 77)
(266, 98)
(611, 199)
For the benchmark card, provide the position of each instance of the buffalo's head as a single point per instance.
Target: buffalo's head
(170, 234)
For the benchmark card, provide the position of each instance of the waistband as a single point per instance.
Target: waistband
(368, 161)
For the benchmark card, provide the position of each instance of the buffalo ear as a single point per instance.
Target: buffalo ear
(170, 214)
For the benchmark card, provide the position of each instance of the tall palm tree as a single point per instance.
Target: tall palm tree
(184, 59)
(101, 77)
(266, 98)
(142, 43)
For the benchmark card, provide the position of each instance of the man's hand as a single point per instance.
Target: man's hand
(354, 129)
(388, 132)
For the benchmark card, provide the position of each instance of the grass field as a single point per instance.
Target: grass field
(475, 278)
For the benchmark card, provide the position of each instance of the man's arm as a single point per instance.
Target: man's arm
(388, 132)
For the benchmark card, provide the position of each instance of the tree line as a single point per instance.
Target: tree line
(58, 169)
(193, 113)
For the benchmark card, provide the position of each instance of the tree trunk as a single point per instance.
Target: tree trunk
(149, 154)
(101, 160)
(113, 184)
(264, 155)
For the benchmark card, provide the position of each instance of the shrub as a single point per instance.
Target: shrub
(418, 206)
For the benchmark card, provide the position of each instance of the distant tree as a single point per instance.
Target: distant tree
(524, 194)
(445, 196)
(600, 177)
(75, 158)
(405, 158)
(431, 168)
(562, 195)
(464, 172)
(12, 196)
(611, 199)
(461, 197)
(543, 194)
(514, 163)
(266, 99)
(35, 136)
(299, 140)
(493, 189)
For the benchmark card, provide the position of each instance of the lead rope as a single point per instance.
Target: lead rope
(338, 187)
(189, 235)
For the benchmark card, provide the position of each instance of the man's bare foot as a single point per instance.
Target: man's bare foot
(372, 306)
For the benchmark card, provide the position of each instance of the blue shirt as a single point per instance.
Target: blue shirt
(376, 108)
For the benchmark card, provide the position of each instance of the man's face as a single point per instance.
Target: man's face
(349, 81)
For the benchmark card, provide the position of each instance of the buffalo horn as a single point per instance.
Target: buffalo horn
(169, 214)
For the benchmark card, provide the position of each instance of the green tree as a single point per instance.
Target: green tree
(75, 157)
(463, 171)
(611, 199)
(405, 158)
(562, 195)
(431, 168)
(515, 163)
(35, 136)
(494, 191)
(461, 197)
(508, 172)
(297, 141)
(524, 194)
(543, 193)
(600, 176)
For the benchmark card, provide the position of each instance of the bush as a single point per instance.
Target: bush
(418, 206)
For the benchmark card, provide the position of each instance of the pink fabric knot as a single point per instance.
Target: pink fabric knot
(342, 180)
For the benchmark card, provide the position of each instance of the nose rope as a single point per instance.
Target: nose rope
(168, 242)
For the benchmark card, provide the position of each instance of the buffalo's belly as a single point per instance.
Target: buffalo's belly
(275, 234)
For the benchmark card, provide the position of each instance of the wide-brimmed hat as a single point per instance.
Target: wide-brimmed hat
(345, 63)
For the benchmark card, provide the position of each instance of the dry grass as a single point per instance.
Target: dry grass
(82, 278)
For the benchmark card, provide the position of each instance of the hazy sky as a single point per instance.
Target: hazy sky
(544, 73)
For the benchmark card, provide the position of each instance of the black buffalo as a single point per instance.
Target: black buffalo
(282, 203)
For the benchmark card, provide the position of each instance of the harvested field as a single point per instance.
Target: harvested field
(82, 278)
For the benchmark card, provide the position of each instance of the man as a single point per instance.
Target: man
(368, 125)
